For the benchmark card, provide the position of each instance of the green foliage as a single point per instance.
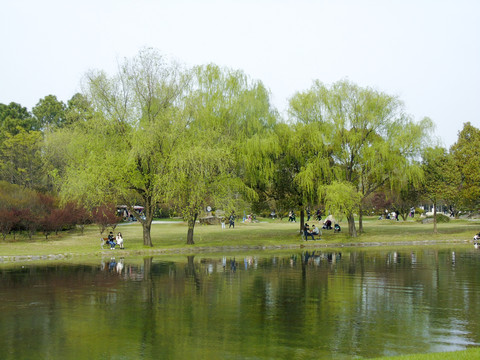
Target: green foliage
(15, 196)
(124, 149)
(341, 198)
(436, 185)
(14, 117)
(465, 165)
(419, 211)
(404, 197)
(282, 189)
(437, 219)
(362, 137)
(226, 106)
(436, 166)
(50, 113)
(441, 218)
(20, 158)
(159, 135)
(78, 109)
(227, 136)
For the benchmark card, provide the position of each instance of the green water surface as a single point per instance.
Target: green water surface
(303, 305)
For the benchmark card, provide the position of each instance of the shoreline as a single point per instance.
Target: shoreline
(12, 259)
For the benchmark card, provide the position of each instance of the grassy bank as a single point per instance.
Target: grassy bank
(469, 354)
(170, 237)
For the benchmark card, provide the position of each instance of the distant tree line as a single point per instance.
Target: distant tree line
(160, 135)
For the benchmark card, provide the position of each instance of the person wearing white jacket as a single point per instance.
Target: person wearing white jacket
(119, 240)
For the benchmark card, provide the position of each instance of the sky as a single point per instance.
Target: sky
(425, 52)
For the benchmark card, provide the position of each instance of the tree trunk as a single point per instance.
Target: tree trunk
(302, 220)
(147, 239)
(360, 219)
(434, 217)
(352, 231)
(191, 227)
(147, 223)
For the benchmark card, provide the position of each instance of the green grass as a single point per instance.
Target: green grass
(171, 237)
(469, 354)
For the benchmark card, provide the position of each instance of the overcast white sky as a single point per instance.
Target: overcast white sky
(427, 52)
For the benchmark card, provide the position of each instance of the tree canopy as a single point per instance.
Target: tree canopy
(466, 160)
(221, 154)
(124, 151)
(156, 133)
(367, 139)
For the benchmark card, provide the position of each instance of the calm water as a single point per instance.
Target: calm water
(321, 305)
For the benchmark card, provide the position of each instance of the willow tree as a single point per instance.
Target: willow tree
(240, 112)
(123, 152)
(229, 119)
(203, 177)
(341, 198)
(308, 153)
(369, 139)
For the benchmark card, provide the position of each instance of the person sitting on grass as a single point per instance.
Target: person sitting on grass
(315, 231)
(327, 225)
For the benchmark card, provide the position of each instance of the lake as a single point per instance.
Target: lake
(320, 304)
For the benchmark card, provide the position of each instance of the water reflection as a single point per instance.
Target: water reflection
(316, 257)
(310, 304)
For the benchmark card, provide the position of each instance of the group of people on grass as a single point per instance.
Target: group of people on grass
(314, 231)
(327, 225)
(318, 215)
(115, 240)
(292, 217)
(231, 221)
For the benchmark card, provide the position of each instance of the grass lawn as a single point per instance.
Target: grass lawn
(170, 237)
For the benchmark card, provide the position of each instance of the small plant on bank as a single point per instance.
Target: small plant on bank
(419, 212)
(441, 219)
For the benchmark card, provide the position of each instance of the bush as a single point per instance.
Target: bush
(419, 211)
(441, 218)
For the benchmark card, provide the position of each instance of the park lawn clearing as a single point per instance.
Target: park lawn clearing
(170, 237)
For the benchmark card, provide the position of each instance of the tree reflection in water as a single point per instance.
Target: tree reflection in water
(351, 303)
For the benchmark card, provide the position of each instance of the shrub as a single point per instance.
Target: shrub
(419, 211)
(441, 218)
